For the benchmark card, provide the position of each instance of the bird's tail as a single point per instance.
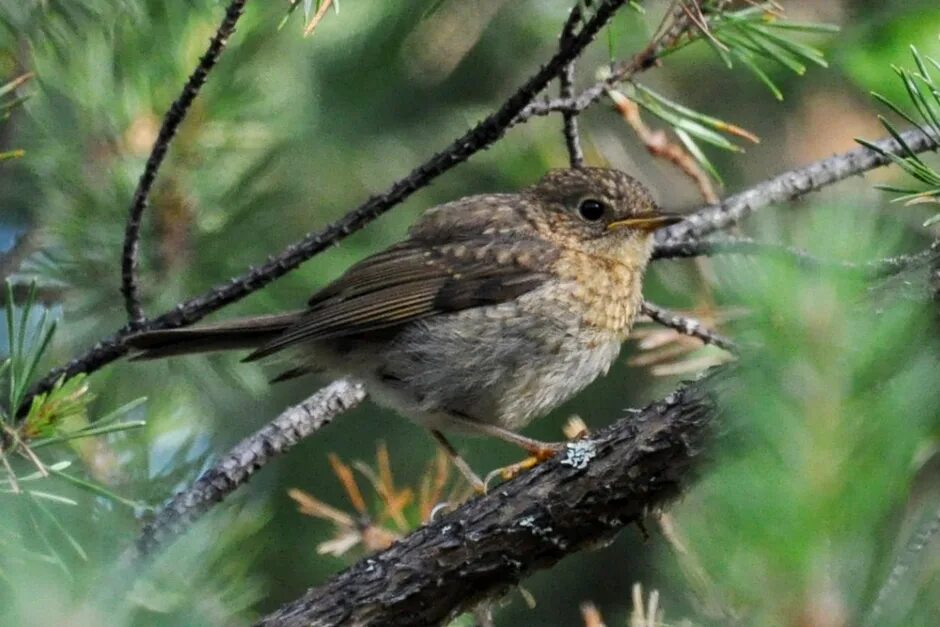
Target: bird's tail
(243, 333)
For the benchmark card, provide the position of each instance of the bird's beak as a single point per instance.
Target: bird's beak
(647, 222)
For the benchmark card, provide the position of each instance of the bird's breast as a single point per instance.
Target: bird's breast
(603, 293)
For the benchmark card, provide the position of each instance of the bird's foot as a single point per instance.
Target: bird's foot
(538, 453)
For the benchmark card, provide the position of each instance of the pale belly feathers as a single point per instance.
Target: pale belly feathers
(505, 364)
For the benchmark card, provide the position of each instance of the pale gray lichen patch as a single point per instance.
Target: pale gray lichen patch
(546, 533)
(579, 454)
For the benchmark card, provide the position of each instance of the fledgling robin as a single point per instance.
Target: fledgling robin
(495, 309)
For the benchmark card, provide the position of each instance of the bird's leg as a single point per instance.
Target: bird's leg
(472, 478)
(536, 448)
(538, 451)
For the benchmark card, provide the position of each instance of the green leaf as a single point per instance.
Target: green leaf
(66, 401)
(901, 112)
(691, 127)
(919, 61)
(696, 116)
(920, 101)
(88, 432)
(55, 498)
(53, 519)
(11, 344)
(39, 530)
(97, 490)
(762, 76)
(802, 50)
(773, 51)
(120, 411)
(12, 154)
(697, 153)
(804, 27)
(923, 95)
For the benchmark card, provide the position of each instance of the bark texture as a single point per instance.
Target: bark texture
(581, 498)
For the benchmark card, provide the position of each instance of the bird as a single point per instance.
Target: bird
(495, 309)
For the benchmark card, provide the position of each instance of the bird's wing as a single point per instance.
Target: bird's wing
(413, 280)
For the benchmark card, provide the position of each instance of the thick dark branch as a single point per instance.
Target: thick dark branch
(580, 498)
(478, 138)
(171, 122)
(251, 454)
(687, 326)
(789, 186)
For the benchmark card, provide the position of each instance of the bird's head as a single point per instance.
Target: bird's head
(600, 210)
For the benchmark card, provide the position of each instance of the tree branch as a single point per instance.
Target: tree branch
(874, 269)
(171, 122)
(675, 25)
(687, 326)
(580, 498)
(566, 80)
(247, 457)
(476, 139)
(789, 186)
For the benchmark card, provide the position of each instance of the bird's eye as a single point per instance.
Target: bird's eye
(592, 210)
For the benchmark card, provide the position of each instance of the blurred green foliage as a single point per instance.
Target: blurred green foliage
(823, 426)
(824, 468)
(922, 110)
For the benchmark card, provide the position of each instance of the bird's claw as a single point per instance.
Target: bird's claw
(538, 455)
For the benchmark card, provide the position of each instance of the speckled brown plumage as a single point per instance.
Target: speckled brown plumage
(494, 310)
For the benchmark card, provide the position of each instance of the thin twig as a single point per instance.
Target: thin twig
(687, 326)
(658, 145)
(675, 25)
(14, 484)
(566, 90)
(791, 185)
(324, 6)
(709, 596)
(246, 458)
(671, 33)
(171, 122)
(877, 268)
(476, 139)
(701, 22)
(24, 449)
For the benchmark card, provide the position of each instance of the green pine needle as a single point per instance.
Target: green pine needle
(925, 99)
